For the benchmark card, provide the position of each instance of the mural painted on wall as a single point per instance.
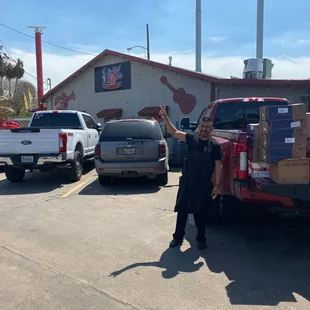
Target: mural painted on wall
(186, 101)
(113, 77)
(62, 102)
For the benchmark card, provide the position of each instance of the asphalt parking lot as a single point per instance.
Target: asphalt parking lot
(81, 246)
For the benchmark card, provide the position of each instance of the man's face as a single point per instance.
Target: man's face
(205, 129)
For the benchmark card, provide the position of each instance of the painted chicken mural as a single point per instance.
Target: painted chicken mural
(61, 102)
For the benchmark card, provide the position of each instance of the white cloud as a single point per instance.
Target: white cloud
(217, 39)
(303, 41)
(291, 42)
(58, 67)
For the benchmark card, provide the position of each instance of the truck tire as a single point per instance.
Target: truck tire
(104, 180)
(14, 175)
(76, 171)
(162, 179)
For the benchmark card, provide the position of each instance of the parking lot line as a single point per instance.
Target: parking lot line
(68, 193)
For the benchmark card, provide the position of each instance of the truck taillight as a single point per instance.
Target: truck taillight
(63, 139)
(97, 151)
(162, 150)
(241, 161)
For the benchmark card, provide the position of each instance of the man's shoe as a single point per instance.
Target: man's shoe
(201, 245)
(174, 243)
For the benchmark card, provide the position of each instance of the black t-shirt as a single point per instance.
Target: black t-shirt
(202, 145)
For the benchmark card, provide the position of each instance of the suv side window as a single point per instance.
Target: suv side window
(90, 123)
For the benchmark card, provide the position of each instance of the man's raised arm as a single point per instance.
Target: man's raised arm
(176, 133)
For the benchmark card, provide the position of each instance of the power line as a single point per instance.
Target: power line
(46, 42)
(8, 53)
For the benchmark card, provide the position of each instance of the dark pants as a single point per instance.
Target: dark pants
(200, 221)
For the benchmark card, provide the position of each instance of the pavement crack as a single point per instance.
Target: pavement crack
(65, 275)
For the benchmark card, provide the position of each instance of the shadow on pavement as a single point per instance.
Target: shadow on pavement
(173, 261)
(37, 182)
(265, 260)
(120, 186)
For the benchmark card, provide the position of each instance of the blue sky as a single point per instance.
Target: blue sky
(228, 33)
(228, 26)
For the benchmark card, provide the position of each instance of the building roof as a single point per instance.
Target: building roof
(190, 73)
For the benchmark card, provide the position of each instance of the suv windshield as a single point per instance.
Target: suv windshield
(136, 130)
(237, 115)
(56, 120)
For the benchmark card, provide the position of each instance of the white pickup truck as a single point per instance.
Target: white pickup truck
(54, 139)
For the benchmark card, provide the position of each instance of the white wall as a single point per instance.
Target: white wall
(146, 90)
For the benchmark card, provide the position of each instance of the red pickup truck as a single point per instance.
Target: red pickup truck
(230, 118)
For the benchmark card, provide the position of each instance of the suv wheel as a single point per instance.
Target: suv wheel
(14, 175)
(76, 171)
(104, 180)
(162, 179)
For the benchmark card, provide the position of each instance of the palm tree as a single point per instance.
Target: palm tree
(10, 75)
(2, 72)
(18, 73)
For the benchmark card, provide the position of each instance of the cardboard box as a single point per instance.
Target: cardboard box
(274, 155)
(293, 111)
(290, 171)
(284, 126)
(284, 140)
(254, 142)
(308, 124)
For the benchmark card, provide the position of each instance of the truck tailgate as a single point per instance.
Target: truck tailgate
(29, 141)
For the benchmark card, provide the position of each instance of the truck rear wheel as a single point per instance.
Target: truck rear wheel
(76, 171)
(14, 175)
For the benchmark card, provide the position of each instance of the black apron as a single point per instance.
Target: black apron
(195, 187)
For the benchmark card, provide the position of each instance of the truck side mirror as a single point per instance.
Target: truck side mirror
(99, 127)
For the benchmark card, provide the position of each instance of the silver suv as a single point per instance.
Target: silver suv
(132, 148)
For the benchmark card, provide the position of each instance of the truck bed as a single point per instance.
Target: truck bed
(258, 190)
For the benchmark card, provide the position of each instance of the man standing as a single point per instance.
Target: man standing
(196, 190)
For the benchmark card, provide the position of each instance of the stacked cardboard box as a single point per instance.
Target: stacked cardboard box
(283, 136)
(257, 168)
(283, 132)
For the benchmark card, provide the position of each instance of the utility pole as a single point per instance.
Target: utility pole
(260, 29)
(38, 42)
(198, 35)
(148, 41)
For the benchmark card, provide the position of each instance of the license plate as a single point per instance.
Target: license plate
(129, 151)
(27, 159)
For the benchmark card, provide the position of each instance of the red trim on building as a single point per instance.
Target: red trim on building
(151, 111)
(110, 113)
(198, 75)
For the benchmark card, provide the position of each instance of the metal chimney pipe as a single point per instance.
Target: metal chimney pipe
(198, 35)
(260, 29)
